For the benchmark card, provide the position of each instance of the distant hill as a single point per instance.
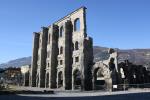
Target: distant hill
(137, 56)
(17, 62)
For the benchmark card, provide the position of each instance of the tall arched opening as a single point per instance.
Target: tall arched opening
(60, 79)
(77, 24)
(99, 80)
(77, 79)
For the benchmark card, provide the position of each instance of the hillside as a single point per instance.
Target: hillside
(137, 56)
(17, 62)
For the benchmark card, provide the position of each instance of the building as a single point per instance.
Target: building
(63, 54)
(25, 74)
(12, 75)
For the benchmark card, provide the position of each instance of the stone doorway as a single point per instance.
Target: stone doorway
(77, 79)
(99, 80)
(60, 79)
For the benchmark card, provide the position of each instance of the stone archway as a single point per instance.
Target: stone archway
(60, 79)
(101, 77)
(76, 79)
(99, 80)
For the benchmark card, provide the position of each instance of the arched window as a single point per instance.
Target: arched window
(61, 31)
(76, 45)
(77, 25)
(47, 64)
(61, 50)
(76, 59)
(77, 79)
(61, 62)
(99, 79)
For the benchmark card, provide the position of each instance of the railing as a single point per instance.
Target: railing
(127, 86)
(123, 87)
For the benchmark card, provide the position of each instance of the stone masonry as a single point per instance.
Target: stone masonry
(63, 54)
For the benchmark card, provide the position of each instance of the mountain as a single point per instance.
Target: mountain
(137, 56)
(17, 62)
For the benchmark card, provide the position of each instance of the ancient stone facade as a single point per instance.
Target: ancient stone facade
(103, 76)
(63, 58)
(63, 54)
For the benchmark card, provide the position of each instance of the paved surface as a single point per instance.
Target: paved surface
(136, 96)
(88, 93)
(132, 94)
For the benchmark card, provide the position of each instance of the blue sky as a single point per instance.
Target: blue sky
(121, 24)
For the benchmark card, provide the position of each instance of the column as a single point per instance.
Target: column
(53, 56)
(34, 59)
(44, 37)
(68, 56)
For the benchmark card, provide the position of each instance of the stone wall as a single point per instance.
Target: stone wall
(63, 54)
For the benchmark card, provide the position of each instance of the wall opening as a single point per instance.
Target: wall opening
(61, 50)
(77, 79)
(61, 62)
(76, 59)
(60, 79)
(99, 80)
(61, 31)
(77, 25)
(76, 45)
(47, 64)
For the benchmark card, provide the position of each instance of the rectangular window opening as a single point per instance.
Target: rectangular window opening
(76, 59)
(61, 62)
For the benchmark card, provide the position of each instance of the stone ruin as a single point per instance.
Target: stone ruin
(63, 57)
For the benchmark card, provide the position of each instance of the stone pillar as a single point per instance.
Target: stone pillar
(43, 55)
(73, 86)
(53, 56)
(68, 56)
(34, 59)
(88, 63)
(108, 84)
(93, 80)
(57, 80)
(26, 79)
